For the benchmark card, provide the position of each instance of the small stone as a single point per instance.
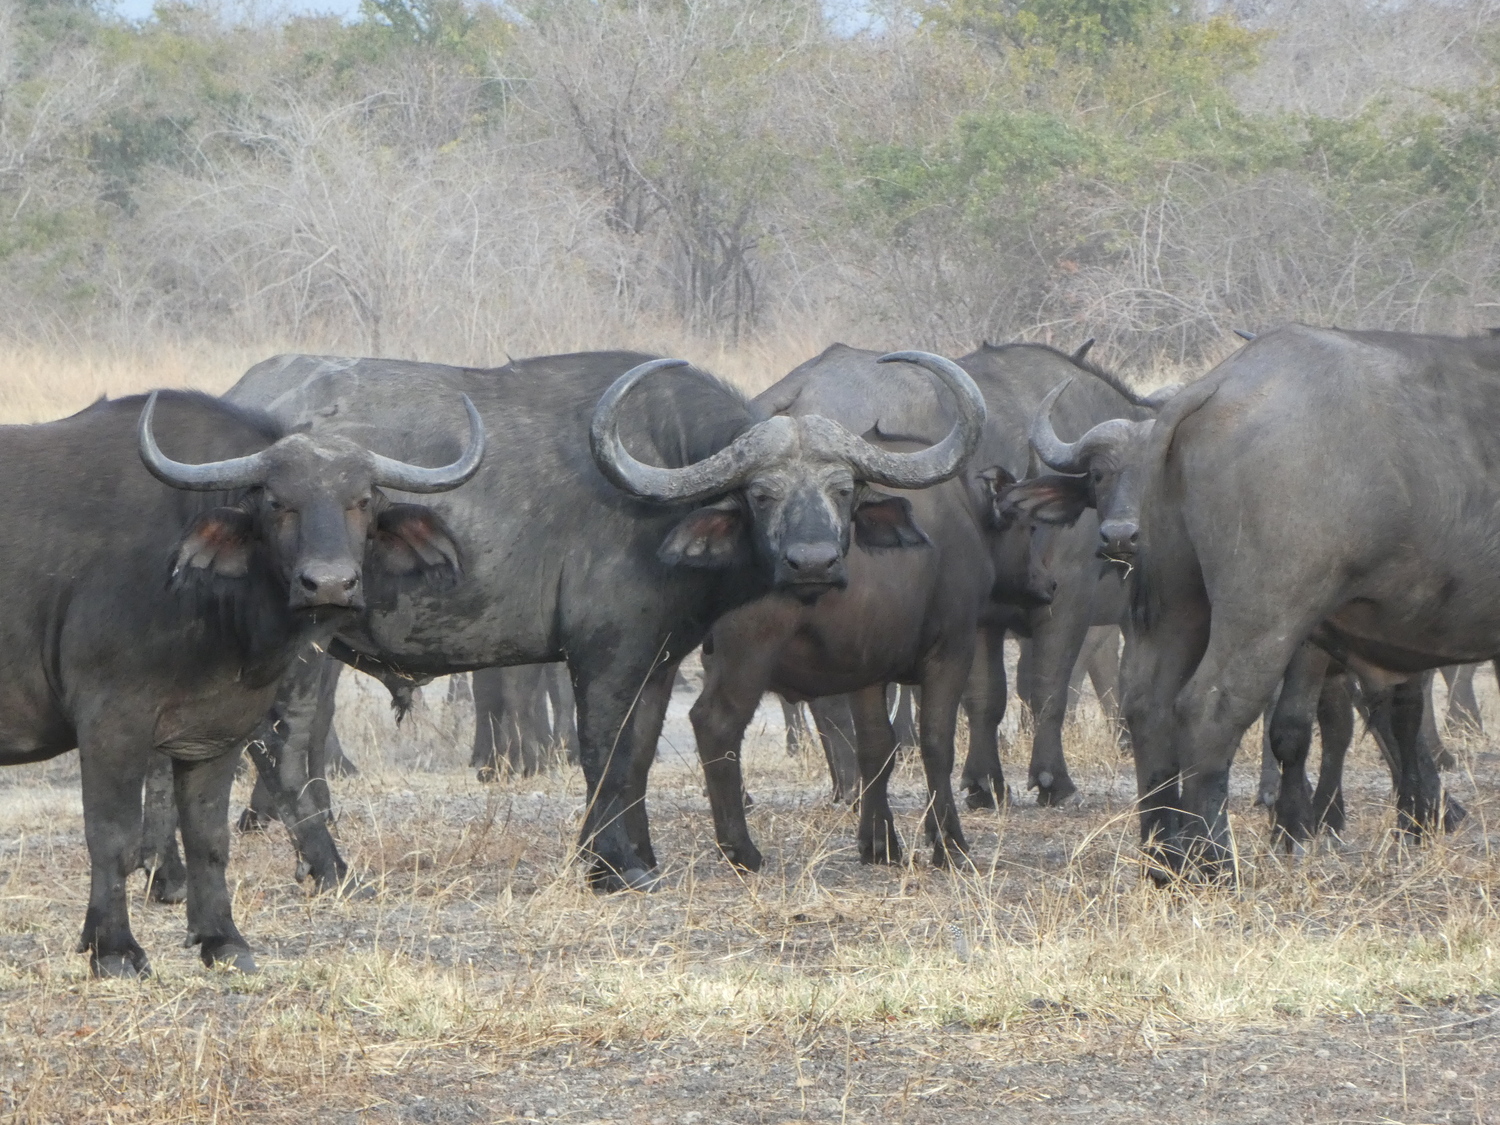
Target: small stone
(1321, 1053)
(690, 1118)
(549, 1112)
(1450, 1076)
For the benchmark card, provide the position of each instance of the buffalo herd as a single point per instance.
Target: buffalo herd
(1305, 533)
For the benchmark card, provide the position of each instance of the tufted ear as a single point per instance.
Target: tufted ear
(711, 538)
(1058, 500)
(410, 539)
(885, 521)
(218, 542)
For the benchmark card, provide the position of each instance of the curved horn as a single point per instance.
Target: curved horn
(1083, 350)
(717, 473)
(936, 463)
(391, 473)
(1055, 453)
(1072, 457)
(1243, 335)
(212, 476)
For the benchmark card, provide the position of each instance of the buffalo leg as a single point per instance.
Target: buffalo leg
(1099, 662)
(983, 779)
(1415, 808)
(1414, 773)
(1432, 741)
(731, 693)
(202, 789)
(112, 780)
(943, 681)
(1240, 669)
(794, 719)
(1290, 737)
(1463, 704)
(1102, 662)
(904, 722)
(166, 877)
(1269, 784)
(612, 699)
(564, 712)
(1336, 729)
(876, 743)
(1055, 646)
(1157, 661)
(280, 752)
(833, 715)
(649, 718)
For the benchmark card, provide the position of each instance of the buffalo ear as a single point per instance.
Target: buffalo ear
(993, 482)
(218, 542)
(411, 539)
(1057, 500)
(885, 521)
(711, 538)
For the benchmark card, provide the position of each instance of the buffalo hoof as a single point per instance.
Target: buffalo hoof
(229, 956)
(1444, 759)
(1053, 791)
(1454, 814)
(1266, 798)
(955, 853)
(487, 774)
(881, 847)
(252, 821)
(120, 966)
(744, 855)
(166, 889)
(977, 797)
(606, 880)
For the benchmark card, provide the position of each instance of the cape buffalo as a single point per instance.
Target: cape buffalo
(629, 507)
(912, 616)
(155, 606)
(1104, 472)
(1318, 484)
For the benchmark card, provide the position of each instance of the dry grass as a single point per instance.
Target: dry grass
(479, 981)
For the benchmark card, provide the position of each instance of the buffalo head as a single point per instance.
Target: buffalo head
(316, 506)
(1101, 470)
(791, 489)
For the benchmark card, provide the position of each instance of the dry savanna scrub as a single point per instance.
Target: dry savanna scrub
(475, 979)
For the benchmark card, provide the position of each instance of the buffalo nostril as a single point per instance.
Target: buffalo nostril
(309, 583)
(811, 557)
(350, 583)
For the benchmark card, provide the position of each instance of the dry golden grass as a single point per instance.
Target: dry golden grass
(481, 980)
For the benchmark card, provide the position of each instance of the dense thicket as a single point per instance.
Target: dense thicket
(453, 179)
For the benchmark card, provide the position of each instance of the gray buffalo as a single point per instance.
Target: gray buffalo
(628, 506)
(155, 607)
(1320, 485)
(915, 616)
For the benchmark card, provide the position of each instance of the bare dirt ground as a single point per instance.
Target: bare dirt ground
(477, 981)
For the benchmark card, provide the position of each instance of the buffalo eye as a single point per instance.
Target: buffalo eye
(364, 503)
(760, 496)
(274, 504)
(845, 491)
